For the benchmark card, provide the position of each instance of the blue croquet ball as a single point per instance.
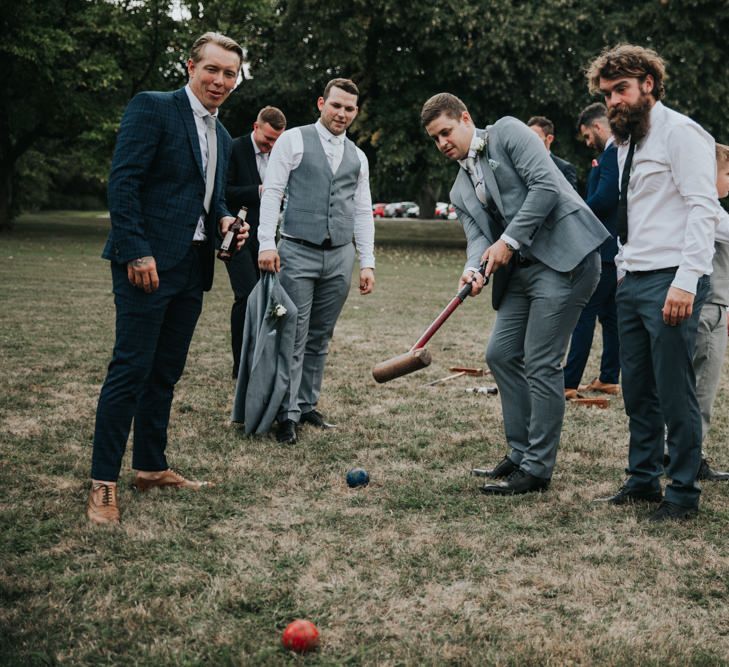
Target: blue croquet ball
(358, 477)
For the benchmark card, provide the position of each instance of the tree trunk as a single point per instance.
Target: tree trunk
(427, 197)
(6, 196)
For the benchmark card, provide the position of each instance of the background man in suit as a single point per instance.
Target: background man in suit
(329, 203)
(544, 129)
(165, 199)
(539, 239)
(667, 219)
(246, 171)
(602, 198)
(711, 336)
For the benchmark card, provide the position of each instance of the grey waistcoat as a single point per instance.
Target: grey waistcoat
(720, 276)
(321, 204)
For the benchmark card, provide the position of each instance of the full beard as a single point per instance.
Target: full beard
(631, 121)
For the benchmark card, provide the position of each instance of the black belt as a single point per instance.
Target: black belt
(523, 262)
(668, 269)
(327, 245)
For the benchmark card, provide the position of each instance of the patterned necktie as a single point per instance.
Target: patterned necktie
(212, 160)
(477, 182)
(623, 202)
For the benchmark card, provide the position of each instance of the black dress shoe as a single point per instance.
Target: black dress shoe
(671, 512)
(516, 483)
(286, 434)
(709, 475)
(315, 418)
(503, 469)
(631, 494)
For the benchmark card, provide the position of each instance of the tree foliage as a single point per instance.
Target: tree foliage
(516, 57)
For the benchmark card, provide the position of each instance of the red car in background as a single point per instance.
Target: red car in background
(378, 210)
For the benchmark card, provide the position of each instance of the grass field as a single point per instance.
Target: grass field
(418, 568)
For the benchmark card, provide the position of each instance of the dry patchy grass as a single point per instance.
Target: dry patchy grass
(417, 568)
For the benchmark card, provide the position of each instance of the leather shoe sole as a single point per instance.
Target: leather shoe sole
(286, 434)
(169, 480)
(627, 496)
(672, 512)
(315, 418)
(516, 485)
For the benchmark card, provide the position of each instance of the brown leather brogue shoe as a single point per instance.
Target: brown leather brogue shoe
(169, 479)
(102, 507)
(602, 387)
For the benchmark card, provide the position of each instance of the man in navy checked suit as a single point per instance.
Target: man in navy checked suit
(166, 201)
(602, 197)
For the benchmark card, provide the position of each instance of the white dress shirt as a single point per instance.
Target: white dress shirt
(478, 181)
(261, 161)
(285, 157)
(199, 113)
(673, 210)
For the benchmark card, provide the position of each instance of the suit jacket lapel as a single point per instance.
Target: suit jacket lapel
(188, 120)
(488, 174)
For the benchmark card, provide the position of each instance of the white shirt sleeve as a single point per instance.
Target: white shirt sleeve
(693, 166)
(364, 222)
(285, 157)
(722, 228)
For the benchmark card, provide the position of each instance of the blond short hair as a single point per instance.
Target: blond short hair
(215, 38)
(722, 154)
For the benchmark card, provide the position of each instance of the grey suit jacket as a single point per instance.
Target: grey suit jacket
(265, 364)
(543, 212)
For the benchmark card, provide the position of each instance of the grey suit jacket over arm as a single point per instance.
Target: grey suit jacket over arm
(551, 223)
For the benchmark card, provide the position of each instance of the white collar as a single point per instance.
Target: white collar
(327, 135)
(197, 106)
(256, 148)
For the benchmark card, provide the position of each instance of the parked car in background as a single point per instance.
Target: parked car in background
(412, 210)
(378, 210)
(445, 211)
(402, 209)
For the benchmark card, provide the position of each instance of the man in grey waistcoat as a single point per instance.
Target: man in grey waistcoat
(539, 241)
(326, 178)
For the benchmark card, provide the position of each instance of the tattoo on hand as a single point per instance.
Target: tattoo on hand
(142, 262)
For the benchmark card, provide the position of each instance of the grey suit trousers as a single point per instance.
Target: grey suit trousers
(317, 281)
(711, 341)
(525, 352)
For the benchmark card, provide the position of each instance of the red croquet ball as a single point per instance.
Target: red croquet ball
(300, 636)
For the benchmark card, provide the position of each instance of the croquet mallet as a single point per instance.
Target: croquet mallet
(418, 357)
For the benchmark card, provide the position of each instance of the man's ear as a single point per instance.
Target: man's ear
(466, 118)
(648, 84)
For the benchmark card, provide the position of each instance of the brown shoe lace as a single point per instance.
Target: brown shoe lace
(106, 491)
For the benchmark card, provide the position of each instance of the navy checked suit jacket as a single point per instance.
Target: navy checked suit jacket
(242, 187)
(603, 193)
(157, 184)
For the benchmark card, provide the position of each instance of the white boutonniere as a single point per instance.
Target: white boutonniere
(278, 311)
(493, 164)
(480, 145)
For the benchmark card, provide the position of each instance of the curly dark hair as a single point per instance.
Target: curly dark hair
(628, 60)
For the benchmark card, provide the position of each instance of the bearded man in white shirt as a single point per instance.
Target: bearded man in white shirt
(329, 204)
(666, 231)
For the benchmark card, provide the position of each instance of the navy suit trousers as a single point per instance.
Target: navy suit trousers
(153, 334)
(659, 387)
(601, 306)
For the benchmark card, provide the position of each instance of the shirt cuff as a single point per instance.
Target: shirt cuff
(686, 280)
(512, 242)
